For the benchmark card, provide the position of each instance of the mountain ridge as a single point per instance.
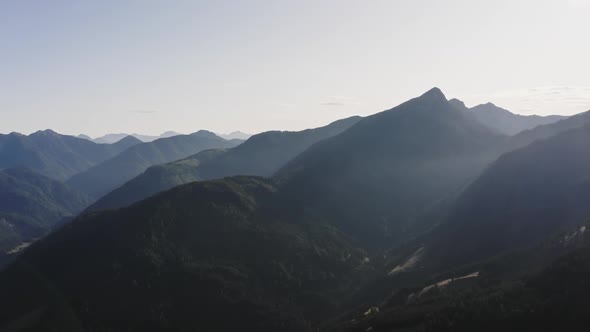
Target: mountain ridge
(260, 155)
(100, 179)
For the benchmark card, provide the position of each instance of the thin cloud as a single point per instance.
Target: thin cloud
(339, 101)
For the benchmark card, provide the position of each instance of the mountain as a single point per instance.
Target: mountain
(212, 256)
(169, 134)
(54, 155)
(296, 251)
(115, 171)
(545, 131)
(523, 197)
(261, 155)
(508, 123)
(543, 288)
(111, 138)
(377, 180)
(235, 135)
(86, 137)
(31, 204)
(555, 299)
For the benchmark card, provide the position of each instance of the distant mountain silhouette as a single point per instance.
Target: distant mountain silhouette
(114, 172)
(31, 204)
(262, 155)
(54, 155)
(505, 122)
(235, 135)
(111, 138)
(545, 131)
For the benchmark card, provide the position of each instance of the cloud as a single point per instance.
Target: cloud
(144, 111)
(339, 101)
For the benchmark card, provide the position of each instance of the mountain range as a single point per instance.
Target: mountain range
(31, 205)
(261, 155)
(112, 173)
(112, 138)
(54, 155)
(235, 135)
(424, 217)
(508, 123)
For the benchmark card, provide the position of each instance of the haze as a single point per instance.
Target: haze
(151, 66)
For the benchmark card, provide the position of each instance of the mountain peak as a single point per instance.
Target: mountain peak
(205, 134)
(457, 103)
(434, 94)
(46, 132)
(129, 139)
(170, 134)
(86, 137)
(490, 107)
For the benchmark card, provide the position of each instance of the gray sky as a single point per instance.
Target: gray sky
(149, 66)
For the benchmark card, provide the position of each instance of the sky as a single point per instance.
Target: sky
(148, 66)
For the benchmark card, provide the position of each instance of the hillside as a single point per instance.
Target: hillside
(508, 123)
(112, 173)
(525, 196)
(543, 288)
(54, 155)
(31, 204)
(545, 131)
(261, 155)
(213, 256)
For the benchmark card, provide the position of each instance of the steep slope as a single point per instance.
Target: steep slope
(54, 155)
(261, 155)
(31, 204)
(554, 300)
(114, 172)
(523, 197)
(545, 131)
(508, 123)
(379, 178)
(210, 256)
(543, 288)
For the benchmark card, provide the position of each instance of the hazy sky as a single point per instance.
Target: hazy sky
(149, 66)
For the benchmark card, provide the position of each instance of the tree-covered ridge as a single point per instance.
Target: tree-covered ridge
(112, 173)
(209, 255)
(31, 204)
(54, 155)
